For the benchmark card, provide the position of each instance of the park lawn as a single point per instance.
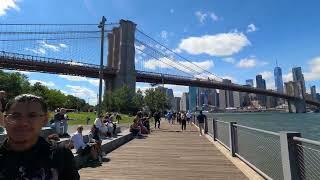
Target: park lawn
(81, 118)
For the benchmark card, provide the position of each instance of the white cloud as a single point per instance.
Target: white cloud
(201, 16)
(52, 47)
(94, 82)
(40, 51)
(171, 64)
(229, 60)
(268, 76)
(22, 72)
(250, 62)
(171, 11)
(287, 77)
(164, 35)
(63, 45)
(83, 92)
(223, 44)
(48, 84)
(233, 80)
(5, 5)
(214, 17)
(247, 63)
(314, 73)
(251, 28)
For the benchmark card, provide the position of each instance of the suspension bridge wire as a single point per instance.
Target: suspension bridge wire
(166, 56)
(52, 39)
(44, 24)
(159, 59)
(178, 55)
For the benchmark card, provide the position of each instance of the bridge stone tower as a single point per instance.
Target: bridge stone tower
(121, 56)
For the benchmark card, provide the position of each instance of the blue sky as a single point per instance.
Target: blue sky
(233, 39)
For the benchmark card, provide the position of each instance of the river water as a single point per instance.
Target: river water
(308, 124)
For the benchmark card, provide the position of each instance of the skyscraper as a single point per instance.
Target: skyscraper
(313, 92)
(298, 77)
(192, 98)
(226, 97)
(261, 84)
(278, 82)
(249, 82)
(184, 102)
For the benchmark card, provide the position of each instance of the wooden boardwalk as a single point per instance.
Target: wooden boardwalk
(166, 154)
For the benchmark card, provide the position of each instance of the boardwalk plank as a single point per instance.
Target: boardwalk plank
(166, 154)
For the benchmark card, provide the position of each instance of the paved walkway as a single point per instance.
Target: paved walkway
(167, 153)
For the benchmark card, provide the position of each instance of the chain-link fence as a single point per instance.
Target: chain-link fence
(222, 133)
(308, 159)
(261, 149)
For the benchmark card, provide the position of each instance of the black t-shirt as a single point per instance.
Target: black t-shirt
(42, 161)
(201, 118)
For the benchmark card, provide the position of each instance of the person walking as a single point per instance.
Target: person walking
(183, 121)
(156, 117)
(201, 118)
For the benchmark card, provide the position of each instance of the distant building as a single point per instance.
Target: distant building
(278, 79)
(169, 94)
(313, 92)
(225, 96)
(298, 77)
(271, 102)
(212, 97)
(261, 84)
(318, 96)
(245, 98)
(193, 98)
(184, 102)
(176, 104)
(236, 99)
(249, 82)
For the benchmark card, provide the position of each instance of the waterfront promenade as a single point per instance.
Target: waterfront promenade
(166, 154)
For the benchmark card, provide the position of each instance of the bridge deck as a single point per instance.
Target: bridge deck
(166, 154)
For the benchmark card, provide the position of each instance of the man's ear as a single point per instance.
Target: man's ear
(45, 119)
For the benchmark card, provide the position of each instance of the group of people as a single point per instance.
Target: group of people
(60, 122)
(106, 125)
(141, 124)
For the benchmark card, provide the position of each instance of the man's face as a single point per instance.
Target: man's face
(63, 111)
(24, 121)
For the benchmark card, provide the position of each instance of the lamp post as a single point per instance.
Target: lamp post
(101, 26)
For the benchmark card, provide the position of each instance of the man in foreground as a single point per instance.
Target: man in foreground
(26, 155)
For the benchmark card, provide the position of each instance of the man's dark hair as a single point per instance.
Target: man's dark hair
(27, 98)
(200, 112)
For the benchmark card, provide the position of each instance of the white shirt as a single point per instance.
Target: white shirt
(77, 141)
(98, 123)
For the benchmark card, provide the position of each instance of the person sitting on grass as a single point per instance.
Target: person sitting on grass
(82, 148)
(135, 127)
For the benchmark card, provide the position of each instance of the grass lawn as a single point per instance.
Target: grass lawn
(81, 118)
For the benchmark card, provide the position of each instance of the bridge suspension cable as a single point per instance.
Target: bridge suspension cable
(201, 70)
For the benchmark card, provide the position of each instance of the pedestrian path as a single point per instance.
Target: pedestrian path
(167, 153)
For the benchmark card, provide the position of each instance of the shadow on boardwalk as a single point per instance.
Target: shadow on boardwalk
(167, 153)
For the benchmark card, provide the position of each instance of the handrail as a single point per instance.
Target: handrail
(221, 121)
(309, 141)
(258, 130)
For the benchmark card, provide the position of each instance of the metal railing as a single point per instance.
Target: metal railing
(283, 155)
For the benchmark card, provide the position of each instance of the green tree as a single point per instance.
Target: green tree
(123, 99)
(156, 100)
(138, 100)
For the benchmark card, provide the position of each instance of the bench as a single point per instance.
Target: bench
(107, 145)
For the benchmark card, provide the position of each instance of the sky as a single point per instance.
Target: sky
(232, 39)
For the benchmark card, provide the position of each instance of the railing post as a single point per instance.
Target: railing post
(214, 124)
(233, 138)
(206, 126)
(289, 154)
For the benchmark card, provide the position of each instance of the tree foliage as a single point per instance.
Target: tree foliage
(16, 83)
